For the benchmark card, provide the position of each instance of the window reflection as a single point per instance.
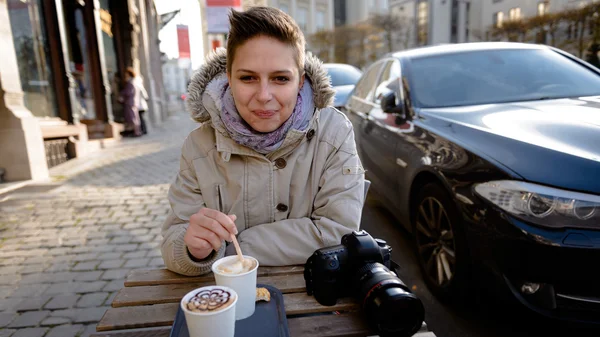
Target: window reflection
(80, 66)
(33, 56)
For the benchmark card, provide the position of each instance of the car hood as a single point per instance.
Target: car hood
(553, 142)
(341, 94)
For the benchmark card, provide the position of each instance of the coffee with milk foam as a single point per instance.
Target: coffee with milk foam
(210, 300)
(237, 267)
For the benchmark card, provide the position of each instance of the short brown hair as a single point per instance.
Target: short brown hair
(265, 21)
(130, 71)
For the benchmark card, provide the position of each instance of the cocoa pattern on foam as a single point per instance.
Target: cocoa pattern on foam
(210, 300)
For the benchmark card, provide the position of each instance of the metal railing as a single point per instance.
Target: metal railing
(56, 151)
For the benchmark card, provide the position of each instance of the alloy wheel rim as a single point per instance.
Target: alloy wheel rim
(435, 241)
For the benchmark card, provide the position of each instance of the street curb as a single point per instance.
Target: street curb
(11, 186)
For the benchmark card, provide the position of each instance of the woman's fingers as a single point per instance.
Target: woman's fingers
(221, 218)
(198, 247)
(206, 231)
(206, 235)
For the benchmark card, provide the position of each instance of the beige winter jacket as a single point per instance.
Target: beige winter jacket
(299, 198)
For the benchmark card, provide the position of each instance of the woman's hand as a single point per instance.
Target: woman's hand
(206, 230)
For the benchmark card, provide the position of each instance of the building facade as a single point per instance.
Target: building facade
(311, 15)
(356, 11)
(497, 11)
(441, 21)
(60, 73)
(458, 21)
(176, 75)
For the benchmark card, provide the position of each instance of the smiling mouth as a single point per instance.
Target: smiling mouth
(264, 113)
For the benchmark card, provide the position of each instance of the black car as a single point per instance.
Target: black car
(489, 154)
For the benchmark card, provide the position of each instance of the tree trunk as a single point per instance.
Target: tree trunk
(581, 35)
(389, 41)
(553, 35)
(597, 29)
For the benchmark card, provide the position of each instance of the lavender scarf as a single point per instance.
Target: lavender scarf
(264, 143)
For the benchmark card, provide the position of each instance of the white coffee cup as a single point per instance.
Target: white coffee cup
(216, 323)
(244, 285)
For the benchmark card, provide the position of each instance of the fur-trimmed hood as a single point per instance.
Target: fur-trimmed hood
(216, 65)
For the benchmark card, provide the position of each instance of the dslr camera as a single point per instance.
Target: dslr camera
(360, 267)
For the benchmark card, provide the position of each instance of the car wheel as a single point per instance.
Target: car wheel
(440, 245)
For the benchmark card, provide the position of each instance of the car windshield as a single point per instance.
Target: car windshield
(496, 76)
(343, 75)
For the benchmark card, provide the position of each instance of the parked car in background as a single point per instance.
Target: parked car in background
(489, 154)
(343, 79)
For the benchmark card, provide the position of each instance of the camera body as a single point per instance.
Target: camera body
(360, 267)
(328, 272)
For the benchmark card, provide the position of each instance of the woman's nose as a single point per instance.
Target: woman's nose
(264, 93)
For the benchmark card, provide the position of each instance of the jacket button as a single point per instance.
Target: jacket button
(280, 163)
(282, 208)
(310, 134)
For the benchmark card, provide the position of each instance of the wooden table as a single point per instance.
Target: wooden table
(147, 305)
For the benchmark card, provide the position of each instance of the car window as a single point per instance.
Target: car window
(391, 72)
(496, 76)
(366, 85)
(343, 75)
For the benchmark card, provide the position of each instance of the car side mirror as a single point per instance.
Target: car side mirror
(391, 105)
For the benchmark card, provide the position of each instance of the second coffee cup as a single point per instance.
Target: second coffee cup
(210, 311)
(241, 277)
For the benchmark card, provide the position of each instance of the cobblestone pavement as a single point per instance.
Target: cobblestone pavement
(66, 247)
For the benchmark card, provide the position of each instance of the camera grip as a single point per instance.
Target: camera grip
(326, 293)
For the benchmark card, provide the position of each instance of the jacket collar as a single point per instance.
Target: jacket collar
(228, 146)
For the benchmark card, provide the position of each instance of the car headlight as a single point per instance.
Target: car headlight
(542, 205)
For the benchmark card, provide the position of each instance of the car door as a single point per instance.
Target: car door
(380, 135)
(360, 104)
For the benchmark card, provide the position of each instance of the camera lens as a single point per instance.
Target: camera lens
(389, 305)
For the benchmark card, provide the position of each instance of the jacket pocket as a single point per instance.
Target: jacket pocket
(221, 202)
(211, 196)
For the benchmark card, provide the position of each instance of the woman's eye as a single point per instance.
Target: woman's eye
(246, 78)
(282, 79)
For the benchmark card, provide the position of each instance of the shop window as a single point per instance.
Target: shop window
(33, 56)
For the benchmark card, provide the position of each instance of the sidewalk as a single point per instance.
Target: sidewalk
(66, 246)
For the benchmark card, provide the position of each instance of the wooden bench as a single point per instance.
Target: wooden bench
(147, 305)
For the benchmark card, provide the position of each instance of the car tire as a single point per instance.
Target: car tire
(443, 255)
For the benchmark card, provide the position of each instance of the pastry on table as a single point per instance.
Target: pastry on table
(263, 294)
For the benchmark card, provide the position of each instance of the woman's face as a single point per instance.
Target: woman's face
(265, 81)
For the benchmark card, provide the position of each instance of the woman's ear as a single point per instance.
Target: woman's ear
(228, 78)
(301, 83)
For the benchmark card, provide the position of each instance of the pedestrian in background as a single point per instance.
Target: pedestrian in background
(142, 103)
(272, 159)
(130, 109)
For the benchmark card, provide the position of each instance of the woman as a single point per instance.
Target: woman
(272, 161)
(128, 97)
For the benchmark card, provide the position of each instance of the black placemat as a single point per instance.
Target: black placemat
(268, 320)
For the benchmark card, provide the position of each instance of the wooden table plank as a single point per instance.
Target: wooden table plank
(301, 303)
(163, 331)
(138, 317)
(344, 325)
(142, 295)
(147, 277)
(164, 314)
